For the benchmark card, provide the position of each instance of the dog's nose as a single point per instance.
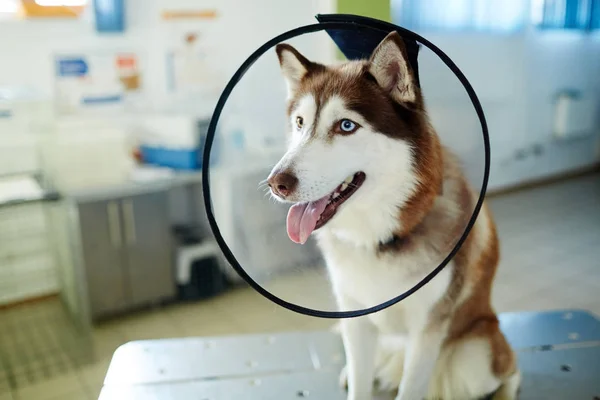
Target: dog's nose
(282, 183)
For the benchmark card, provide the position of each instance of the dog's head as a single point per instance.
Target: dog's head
(361, 148)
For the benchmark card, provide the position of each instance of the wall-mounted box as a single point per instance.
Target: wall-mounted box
(574, 115)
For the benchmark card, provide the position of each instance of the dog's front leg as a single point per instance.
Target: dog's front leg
(360, 343)
(421, 356)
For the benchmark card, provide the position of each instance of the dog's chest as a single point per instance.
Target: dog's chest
(368, 279)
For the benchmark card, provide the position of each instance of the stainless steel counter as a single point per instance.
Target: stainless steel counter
(558, 354)
(134, 187)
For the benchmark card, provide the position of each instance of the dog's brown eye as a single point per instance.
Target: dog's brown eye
(299, 122)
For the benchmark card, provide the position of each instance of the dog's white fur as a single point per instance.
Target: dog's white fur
(399, 347)
(320, 167)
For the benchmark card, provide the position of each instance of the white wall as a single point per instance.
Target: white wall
(516, 78)
(557, 61)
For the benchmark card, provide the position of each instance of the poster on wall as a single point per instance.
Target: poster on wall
(192, 36)
(193, 79)
(104, 82)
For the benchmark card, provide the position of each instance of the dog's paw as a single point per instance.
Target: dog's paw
(389, 373)
(343, 379)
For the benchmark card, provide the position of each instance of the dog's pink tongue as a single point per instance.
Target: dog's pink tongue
(302, 219)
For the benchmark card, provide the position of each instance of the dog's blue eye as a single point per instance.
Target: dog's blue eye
(347, 125)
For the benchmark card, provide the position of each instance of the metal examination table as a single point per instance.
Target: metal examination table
(558, 351)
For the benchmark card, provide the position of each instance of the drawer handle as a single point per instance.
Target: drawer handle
(130, 232)
(114, 224)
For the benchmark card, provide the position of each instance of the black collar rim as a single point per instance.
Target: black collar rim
(349, 24)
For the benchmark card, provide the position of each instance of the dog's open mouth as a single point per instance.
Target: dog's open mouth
(304, 218)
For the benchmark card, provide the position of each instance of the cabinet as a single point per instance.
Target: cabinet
(126, 251)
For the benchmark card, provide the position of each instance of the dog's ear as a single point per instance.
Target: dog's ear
(389, 65)
(293, 65)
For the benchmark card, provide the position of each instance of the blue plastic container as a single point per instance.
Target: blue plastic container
(179, 159)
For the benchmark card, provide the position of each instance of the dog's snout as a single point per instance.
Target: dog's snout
(282, 183)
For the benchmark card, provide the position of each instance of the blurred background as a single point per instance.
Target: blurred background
(104, 106)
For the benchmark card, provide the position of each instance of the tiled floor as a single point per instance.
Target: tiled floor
(38, 343)
(549, 236)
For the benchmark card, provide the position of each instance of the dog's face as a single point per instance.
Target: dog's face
(357, 133)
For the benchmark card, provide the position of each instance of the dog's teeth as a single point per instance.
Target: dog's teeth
(349, 179)
(344, 186)
(336, 195)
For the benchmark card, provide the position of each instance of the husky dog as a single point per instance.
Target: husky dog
(366, 173)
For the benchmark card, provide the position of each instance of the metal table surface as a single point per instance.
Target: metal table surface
(558, 351)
